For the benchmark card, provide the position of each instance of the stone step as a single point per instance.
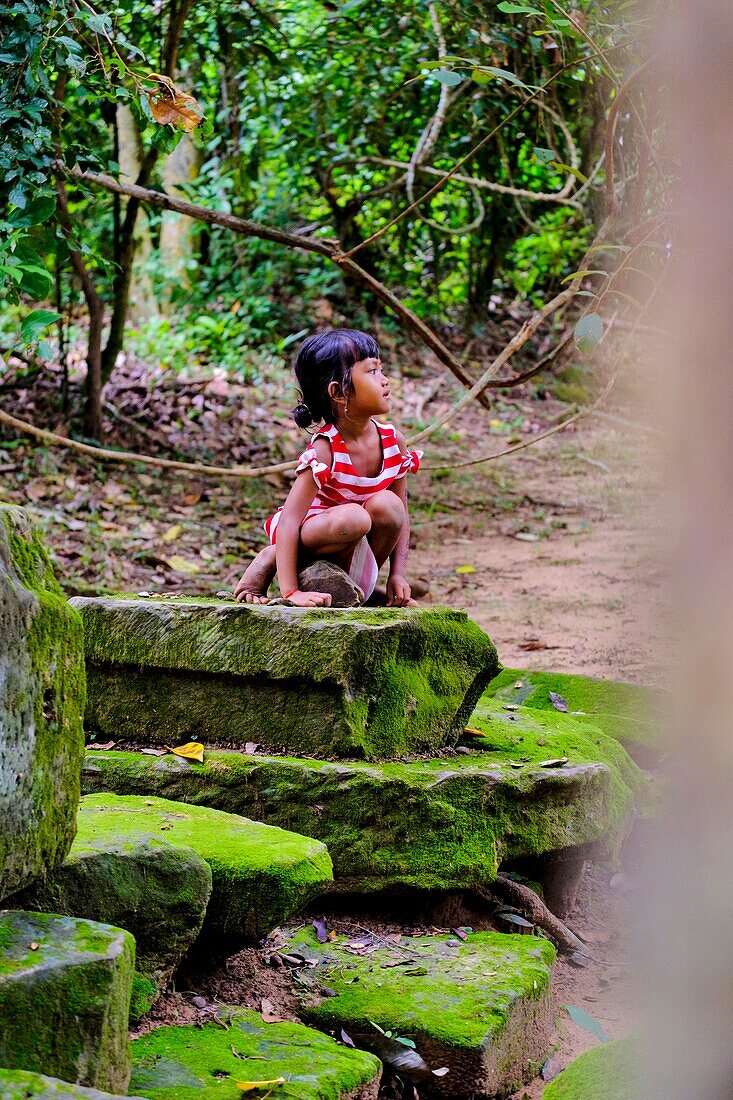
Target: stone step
(261, 875)
(631, 714)
(443, 823)
(363, 683)
(606, 1072)
(157, 891)
(64, 995)
(208, 1062)
(41, 706)
(17, 1084)
(479, 1007)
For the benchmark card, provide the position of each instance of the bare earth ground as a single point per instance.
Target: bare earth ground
(551, 550)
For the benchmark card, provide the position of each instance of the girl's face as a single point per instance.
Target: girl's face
(369, 388)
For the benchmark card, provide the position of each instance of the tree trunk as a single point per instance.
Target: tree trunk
(121, 287)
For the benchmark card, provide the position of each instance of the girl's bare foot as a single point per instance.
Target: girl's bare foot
(257, 577)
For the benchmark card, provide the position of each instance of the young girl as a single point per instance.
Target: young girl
(348, 503)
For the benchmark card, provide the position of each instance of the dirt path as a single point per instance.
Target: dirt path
(566, 576)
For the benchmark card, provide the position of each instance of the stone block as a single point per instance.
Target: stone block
(610, 1071)
(64, 995)
(260, 875)
(41, 706)
(480, 1007)
(207, 1062)
(157, 891)
(441, 823)
(18, 1084)
(372, 683)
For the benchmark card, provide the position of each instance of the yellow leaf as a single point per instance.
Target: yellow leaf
(170, 106)
(250, 1086)
(474, 731)
(193, 750)
(465, 569)
(173, 532)
(181, 565)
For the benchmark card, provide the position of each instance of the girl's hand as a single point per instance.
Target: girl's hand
(310, 599)
(398, 592)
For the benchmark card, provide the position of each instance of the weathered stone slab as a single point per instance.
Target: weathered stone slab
(157, 891)
(17, 1084)
(64, 995)
(174, 1062)
(442, 823)
(480, 1007)
(41, 706)
(260, 875)
(606, 1072)
(372, 683)
(631, 714)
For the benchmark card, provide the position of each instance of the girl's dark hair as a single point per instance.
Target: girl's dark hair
(325, 358)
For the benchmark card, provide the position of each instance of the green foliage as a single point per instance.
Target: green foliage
(277, 149)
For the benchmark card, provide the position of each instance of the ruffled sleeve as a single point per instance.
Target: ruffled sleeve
(309, 461)
(410, 463)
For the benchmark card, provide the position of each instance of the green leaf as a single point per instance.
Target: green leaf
(587, 332)
(37, 211)
(481, 77)
(583, 1019)
(504, 74)
(36, 282)
(517, 9)
(570, 170)
(35, 323)
(582, 274)
(447, 76)
(544, 156)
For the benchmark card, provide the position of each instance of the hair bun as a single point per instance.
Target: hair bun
(302, 415)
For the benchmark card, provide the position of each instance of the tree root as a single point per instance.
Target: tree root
(505, 890)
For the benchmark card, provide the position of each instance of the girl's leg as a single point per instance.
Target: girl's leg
(332, 534)
(257, 578)
(387, 514)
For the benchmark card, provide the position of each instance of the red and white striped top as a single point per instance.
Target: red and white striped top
(340, 483)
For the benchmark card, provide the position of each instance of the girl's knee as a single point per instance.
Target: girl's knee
(352, 522)
(386, 509)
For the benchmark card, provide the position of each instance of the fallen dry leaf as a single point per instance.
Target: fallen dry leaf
(104, 747)
(173, 533)
(170, 106)
(269, 1014)
(192, 750)
(473, 730)
(182, 565)
(153, 752)
(250, 1086)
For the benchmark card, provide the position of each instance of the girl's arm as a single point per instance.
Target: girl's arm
(398, 590)
(294, 511)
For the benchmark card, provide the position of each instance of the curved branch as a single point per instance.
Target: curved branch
(330, 249)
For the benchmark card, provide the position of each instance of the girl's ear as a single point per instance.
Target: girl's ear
(334, 390)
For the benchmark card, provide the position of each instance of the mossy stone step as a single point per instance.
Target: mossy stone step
(64, 995)
(444, 823)
(18, 1084)
(192, 1063)
(41, 706)
(260, 874)
(374, 683)
(630, 713)
(606, 1072)
(480, 1007)
(157, 891)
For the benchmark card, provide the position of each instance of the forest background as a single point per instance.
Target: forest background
(478, 183)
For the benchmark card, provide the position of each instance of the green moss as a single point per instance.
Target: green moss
(41, 704)
(155, 890)
(457, 994)
(371, 684)
(144, 994)
(260, 875)
(16, 1084)
(629, 713)
(64, 1002)
(438, 823)
(606, 1072)
(190, 1063)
